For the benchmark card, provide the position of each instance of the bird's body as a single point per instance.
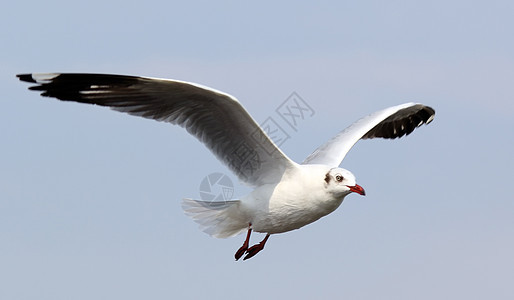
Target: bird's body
(297, 200)
(286, 195)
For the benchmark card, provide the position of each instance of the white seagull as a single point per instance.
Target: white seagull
(287, 195)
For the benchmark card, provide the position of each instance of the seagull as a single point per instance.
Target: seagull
(286, 196)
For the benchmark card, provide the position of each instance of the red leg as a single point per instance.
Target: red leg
(256, 248)
(244, 248)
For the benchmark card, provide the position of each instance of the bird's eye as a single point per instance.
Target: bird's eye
(339, 178)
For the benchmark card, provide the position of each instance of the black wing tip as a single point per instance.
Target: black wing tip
(431, 114)
(403, 122)
(79, 87)
(26, 78)
(48, 77)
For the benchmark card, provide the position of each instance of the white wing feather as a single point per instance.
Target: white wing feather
(391, 122)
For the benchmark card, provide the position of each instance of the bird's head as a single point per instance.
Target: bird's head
(341, 182)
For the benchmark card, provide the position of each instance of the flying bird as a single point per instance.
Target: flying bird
(286, 196)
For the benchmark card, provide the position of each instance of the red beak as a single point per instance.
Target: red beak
(357, 189)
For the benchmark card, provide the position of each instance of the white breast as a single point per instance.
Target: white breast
(300, 198)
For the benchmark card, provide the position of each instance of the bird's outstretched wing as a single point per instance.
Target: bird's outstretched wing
(215, 118)
(390, 123)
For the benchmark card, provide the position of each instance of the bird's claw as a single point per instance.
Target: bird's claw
(253, 250)
(241, 252)
(250, 252)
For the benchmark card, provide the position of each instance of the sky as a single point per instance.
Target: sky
(90, 198)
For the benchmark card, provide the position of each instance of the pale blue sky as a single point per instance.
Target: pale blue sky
(90, 198)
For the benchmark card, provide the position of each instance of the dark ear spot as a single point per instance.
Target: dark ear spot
(327, 178)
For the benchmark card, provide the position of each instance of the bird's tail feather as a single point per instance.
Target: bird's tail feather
(219, 219)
